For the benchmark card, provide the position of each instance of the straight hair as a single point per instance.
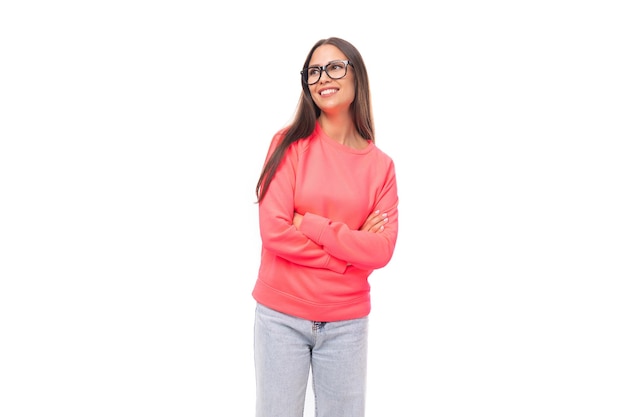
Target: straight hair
(308, 112)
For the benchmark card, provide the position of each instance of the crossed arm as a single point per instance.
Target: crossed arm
(374, 223)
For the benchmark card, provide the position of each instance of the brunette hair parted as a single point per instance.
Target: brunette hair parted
(307, 111)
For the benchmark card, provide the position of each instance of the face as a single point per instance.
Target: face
(331, 95)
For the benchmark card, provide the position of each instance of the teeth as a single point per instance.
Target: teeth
(326, 92)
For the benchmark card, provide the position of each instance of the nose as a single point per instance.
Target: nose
(324, 74)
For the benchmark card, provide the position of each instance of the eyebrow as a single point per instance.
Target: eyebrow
(321, 65)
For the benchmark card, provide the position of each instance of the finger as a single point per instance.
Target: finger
(380, 225)
(372, 223)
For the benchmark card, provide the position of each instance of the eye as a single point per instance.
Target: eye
(313, 71)
(336, 66)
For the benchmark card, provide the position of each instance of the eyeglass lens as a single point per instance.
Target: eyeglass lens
(334, 69)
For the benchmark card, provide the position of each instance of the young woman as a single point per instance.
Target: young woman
(328, 217)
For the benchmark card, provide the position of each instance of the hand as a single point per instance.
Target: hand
(375, 222)
(297, 220)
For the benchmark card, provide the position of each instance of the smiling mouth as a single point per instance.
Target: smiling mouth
(329, 91)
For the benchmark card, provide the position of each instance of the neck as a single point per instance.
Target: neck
(341, 129)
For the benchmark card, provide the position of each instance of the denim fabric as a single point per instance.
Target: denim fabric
(287, 347)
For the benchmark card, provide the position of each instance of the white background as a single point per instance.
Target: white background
(132, 136)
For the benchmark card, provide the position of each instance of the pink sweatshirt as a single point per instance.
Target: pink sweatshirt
(321, 271)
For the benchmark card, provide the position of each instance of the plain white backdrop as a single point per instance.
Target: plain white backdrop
(132, 135)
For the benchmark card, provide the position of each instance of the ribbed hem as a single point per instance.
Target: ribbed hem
(285, 303)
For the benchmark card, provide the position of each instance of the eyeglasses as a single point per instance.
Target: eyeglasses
(334, 69)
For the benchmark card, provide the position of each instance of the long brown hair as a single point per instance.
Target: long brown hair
(307, 112)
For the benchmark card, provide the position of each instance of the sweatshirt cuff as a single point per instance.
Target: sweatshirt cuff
(337, 265)
(313, 227)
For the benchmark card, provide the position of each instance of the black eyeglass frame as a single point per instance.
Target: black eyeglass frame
(305, 72)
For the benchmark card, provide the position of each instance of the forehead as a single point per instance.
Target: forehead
(324, 54)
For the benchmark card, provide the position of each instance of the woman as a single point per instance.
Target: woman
(328, 216)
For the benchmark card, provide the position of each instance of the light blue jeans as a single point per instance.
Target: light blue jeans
(287, 347)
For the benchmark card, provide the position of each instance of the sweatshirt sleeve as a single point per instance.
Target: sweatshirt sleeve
(278, 234)
(362, 249)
